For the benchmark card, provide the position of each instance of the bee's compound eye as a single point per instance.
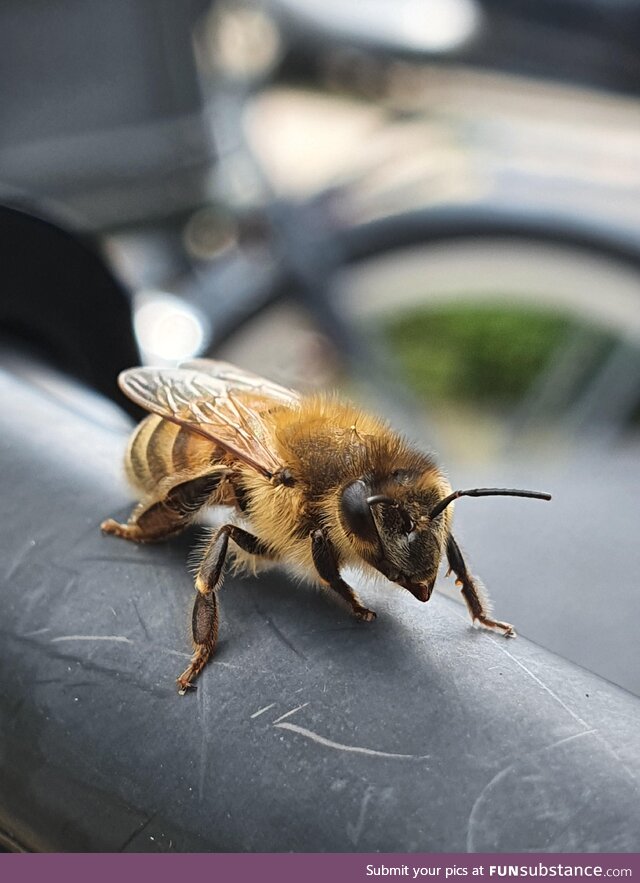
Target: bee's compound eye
(356, 511)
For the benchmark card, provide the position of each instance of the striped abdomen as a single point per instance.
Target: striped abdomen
(159, 448)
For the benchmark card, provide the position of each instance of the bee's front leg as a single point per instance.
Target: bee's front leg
(326, 563)
(204, 619)
(470, 592)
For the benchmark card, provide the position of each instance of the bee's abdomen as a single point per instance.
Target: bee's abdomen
(147, 461)
(160, 448)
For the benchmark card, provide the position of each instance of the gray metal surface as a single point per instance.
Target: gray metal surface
(308, 732)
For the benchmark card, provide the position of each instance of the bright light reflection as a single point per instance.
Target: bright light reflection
(419, 25)
(168, 329)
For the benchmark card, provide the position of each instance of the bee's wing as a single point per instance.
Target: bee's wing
(211, 407)
(251, 384)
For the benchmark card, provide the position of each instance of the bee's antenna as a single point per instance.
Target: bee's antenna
(380, 498)
(485, 492)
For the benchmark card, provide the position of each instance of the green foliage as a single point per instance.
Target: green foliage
(487, 353)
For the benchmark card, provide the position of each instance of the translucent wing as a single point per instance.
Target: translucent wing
(229, 415)
(254, 386)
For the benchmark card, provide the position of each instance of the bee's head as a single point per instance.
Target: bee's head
(389, 525)
(400, 526)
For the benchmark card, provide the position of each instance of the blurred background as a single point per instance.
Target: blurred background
(433, 205)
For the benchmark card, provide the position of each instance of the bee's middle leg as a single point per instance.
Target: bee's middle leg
(326, 563)
(204, 620)
(470, 593)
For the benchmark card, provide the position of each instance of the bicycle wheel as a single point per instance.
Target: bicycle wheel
(567, 429)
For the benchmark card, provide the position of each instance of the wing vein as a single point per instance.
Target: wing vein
(229, 406)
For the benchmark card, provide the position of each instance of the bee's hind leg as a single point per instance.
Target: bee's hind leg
(204, 620)
(167, 514)
(326, 563)
(471, 593)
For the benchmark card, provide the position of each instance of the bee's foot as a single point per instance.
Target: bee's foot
(506, 628)
(496, 625)
(184, 684)
(363, 614)
(127, 531)
(186, 681)
(111, 526)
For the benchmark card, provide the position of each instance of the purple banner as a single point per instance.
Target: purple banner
(315, 868)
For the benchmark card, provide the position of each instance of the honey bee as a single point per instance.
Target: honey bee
(315, 483)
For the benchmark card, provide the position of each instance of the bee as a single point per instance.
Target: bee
(314, 481)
